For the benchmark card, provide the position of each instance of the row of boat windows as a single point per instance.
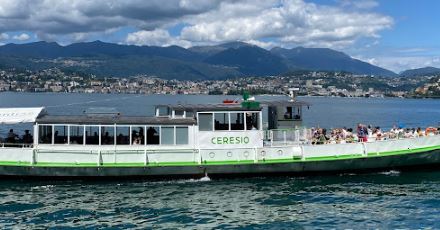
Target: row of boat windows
(111, 135)
(166, 111)
(229, 121)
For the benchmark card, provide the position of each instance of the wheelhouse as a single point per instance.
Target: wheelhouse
(283, 114)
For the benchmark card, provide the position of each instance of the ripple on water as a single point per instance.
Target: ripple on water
(368, 201)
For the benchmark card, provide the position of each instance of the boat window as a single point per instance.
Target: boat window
(167, 135)
(45, 134)
(181, 135)
(107, 135)
(237, 121)
(221, 121)
(76, 135)
(296, 113)
(178, 113)
(137, 135)
(92, 135)
(163, 111)
(189, 114)
(60, 134)
(288, 113)
(152, 135)
(252, 121)
(205, 121)
(122, 135)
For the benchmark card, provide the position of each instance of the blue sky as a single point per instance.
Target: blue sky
(395, 34)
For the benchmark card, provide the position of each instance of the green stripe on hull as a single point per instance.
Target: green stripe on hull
(243, 162)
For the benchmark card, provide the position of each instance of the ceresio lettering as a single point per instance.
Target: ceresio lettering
(229, 140)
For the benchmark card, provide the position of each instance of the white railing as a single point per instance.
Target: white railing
(102, 157)
(15, 145)
(303, 136)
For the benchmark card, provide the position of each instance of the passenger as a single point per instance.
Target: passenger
(362, 133)
(321, 140)
(369, 131)
(332, 139)
(137, 141)
(141, 136)
(134, 134)
(11, 137)
(400, 132)
(151, 132)
(121, 139)
(379, 134)
(373, 136)
(288, 113)
(407, 133)
(55, 137)
(106, 139)
(344, 133)
(420, 132)
(27, 137)
(430, 131)
(95, 138)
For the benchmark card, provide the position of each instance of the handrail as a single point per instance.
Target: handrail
(118, 151)
(296, 136)
(16, 145)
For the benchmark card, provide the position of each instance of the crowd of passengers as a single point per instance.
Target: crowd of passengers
(364, 133)
(13, 138)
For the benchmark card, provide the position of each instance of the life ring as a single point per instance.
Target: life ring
(430, 130)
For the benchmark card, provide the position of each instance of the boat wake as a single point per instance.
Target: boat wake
(390, 173)
(205, 178)
(43, 187)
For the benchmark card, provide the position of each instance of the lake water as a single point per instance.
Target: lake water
(379, 200)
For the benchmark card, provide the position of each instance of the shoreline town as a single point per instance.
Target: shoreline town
(309, 83)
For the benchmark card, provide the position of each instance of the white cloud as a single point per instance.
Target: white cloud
(21, 37)
(157, 37)
(284, 22)
(399, 64)
(359, 4)
(265, 45)
(291, 23)
(4, 36)
(61, 17)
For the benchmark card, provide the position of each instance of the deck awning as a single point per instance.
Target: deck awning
(19, 115)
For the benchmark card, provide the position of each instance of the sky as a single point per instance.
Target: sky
(394, 34)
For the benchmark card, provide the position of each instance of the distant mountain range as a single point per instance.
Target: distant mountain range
(200, 62)
(421, 71)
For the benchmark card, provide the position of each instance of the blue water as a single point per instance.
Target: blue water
(386, 200)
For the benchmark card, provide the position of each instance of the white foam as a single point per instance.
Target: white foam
(390, 173)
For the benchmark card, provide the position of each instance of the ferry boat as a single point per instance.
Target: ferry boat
(226, 139)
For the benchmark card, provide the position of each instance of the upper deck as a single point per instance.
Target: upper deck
(192, 125)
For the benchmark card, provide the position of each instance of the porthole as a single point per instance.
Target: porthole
(229, 154)
(246, 154)
(263, 153)
(280, 152)
(212, 154)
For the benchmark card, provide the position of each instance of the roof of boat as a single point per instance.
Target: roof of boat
(209, 107)
(230, 106)
(110, 120)
(285, 103)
